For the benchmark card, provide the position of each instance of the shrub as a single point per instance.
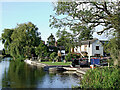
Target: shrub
(53, 55)
(50, 60)
(56, 58)
(102, 78)
(68, 57)
(73, 56)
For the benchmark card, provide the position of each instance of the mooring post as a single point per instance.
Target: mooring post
(89, 53)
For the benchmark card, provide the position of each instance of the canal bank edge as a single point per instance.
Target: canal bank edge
(53, 68)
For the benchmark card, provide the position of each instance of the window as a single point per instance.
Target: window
(97, 47)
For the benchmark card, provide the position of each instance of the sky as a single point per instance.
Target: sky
(37, 12)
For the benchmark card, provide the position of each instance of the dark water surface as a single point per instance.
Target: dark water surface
(20, 75)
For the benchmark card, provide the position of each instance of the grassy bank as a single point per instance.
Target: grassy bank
(102, 78)
(57, 63)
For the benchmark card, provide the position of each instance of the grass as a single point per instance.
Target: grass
(102, 78)
(57, 63)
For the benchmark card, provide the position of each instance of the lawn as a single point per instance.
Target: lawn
(57, 63)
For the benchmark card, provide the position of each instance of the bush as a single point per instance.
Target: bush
(50, 60)
(53, 55)
(73, 56)
(56, 58)
(68, 57)
(102, 78)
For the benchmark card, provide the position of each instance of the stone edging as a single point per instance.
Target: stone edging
(56, 68)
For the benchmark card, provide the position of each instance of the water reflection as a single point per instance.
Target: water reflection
(21, 75)
(4, 65)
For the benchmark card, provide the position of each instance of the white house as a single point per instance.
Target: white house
(93, 47)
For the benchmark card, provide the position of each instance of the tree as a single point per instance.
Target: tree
(63, 39)
(78, 13)
(42, 50)
(3, 52)
(53, 55)
(51, 40)
(6, 39)
(86, 34)
(66, 17)
(88, 14)
(68, 57)
(113, 48)
(22, 40)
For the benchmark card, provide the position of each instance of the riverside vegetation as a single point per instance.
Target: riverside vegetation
(87, 17)
(102, 78)
(24, 41)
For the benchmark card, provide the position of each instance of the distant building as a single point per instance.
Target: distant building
(52, 49)
(51, 40)
(93, 47)
(61, 52)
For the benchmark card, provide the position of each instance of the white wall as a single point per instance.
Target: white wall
(92, 48)
(100, 51)
(82, 47)
(89, 49)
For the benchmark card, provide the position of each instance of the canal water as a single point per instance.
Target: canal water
(20, 75)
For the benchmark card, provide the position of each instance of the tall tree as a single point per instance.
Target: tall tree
(90, 14)
(86, 33)
(42, 50)
(64, 39)
(6, 39)
(23, 39)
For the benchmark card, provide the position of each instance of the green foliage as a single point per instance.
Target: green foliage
(42, 50)
(82, 21)
(113, 47)
(6, 38)
(102, 78)
(57, 63)
(50, 60)
(67, 20)
(68, 57)
(56, 58)
(74, 56)
(91, 13)
(21, 41)
(63, 39)
(86, 34)
(3, 52)
(53, 55)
